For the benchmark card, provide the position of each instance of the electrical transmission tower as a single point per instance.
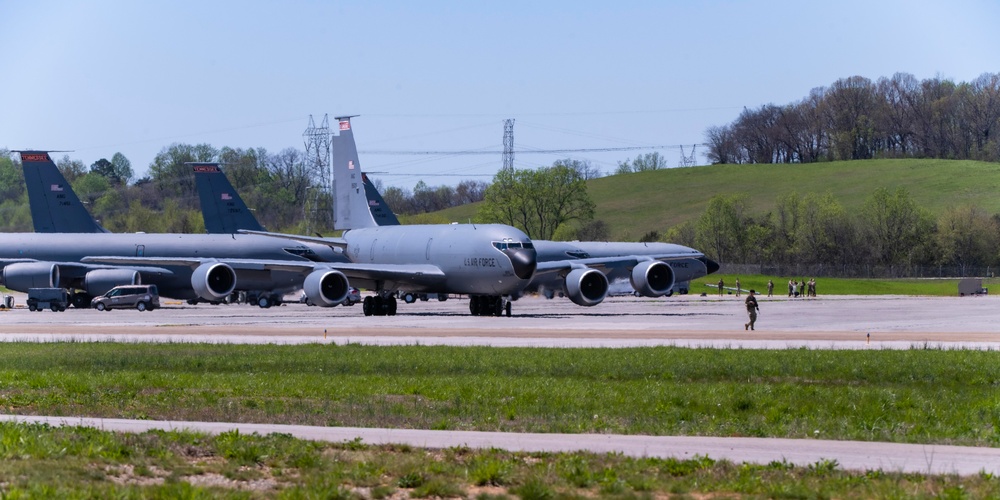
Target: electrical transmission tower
(318, 208)
(508, 144)
(688, 161)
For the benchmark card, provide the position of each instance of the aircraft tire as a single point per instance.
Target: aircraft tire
(409, 298)
(263, 302)
(473, 302)
(367, 306)
(508, 308)
(390, 306)
(498, 307)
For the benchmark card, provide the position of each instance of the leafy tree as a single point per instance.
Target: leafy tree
(967, 236)
(122, 168)
(11, 177)
(595, 230)
(642, 163)
(71, 169)
(583, 167)
(172, 178)
(537, 201)
(894, 226)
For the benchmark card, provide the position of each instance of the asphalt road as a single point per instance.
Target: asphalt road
(875, 322)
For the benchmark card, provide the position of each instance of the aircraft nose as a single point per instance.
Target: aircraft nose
(524, 260)
(710, 264)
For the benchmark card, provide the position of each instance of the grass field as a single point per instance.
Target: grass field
(44, 462)
(635, 204)
(918, 396)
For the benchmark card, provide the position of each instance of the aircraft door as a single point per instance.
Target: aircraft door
(372, 256)
(140, 250)
(427, 254)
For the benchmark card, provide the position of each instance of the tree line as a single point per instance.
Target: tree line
(283, 189)
(856, 118)
(889, 232)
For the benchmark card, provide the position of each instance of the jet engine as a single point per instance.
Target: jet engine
(21, 276)
(326, 288)
(99, 281)
(586, 287)
(652, 278)
(213, 281)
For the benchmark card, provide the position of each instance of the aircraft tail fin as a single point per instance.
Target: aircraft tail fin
(380, 210)
(351, 206)
(55, 208)
(221, 206)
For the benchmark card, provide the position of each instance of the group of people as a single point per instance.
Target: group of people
(802, 289)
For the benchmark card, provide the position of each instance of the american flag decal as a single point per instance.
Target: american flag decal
(56, 187)
(350, 164)
(226, 196)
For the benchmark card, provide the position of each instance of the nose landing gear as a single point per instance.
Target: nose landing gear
(489, 305)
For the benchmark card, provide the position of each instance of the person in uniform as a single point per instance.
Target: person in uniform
(720, 286)
(752, 310)
(737, 287)
(791, 288)
(770, 288)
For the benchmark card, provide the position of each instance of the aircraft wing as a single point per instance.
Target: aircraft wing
(332, 242)
(362, 275)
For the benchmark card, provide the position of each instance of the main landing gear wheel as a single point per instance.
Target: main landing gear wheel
(488, 305)
(379, 306)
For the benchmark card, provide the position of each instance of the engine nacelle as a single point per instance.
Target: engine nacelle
(213, 281)
(586, 287)
(326, 288)
(21, 276)
(99, 281)
(652, 278)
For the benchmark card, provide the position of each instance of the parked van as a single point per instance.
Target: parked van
(141, 297)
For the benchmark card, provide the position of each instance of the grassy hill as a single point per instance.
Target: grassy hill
(637, 203)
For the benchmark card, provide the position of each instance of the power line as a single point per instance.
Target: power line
(520, 151)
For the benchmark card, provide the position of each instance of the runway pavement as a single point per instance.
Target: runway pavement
(835, 322)
(827, 322)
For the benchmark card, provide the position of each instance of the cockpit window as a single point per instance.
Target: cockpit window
(503, 245)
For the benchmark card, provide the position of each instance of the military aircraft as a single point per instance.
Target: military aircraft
(489, 262)
(55, 208)
(195, 267)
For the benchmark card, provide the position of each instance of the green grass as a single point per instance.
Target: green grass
(947, 287)
(637, 203)
(915, 396)
(39, 461)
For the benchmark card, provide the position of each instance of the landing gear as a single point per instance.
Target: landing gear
(81, 300)
(489, 305)
(379, 306)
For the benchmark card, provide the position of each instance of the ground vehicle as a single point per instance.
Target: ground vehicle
(56, 299)
(141, 297)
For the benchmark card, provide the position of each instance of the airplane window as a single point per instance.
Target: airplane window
(500, 245)
(529, 245)
(514, 244)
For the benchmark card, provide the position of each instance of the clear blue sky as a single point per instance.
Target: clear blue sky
(102, 77)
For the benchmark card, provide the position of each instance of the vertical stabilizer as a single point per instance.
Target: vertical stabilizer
(55, 208)
(350, 208)
(379, 208)
(221, 206)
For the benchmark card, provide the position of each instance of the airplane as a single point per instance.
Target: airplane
(489, 262)
(55, 208)
(41, 172)
(193, 267)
